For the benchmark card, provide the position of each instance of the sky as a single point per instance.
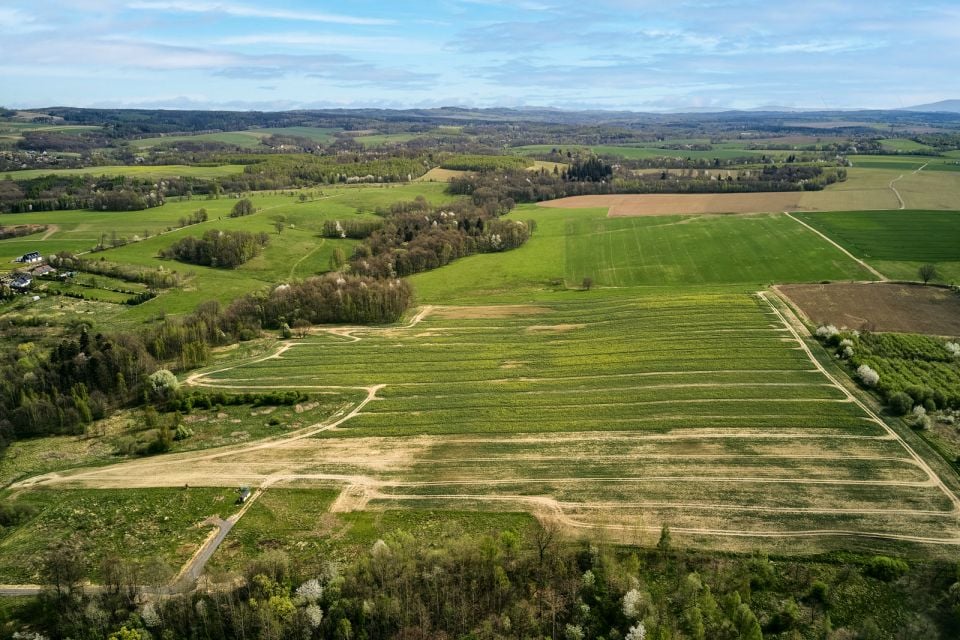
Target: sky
(639, 55)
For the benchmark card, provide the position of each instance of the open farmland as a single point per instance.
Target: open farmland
(896, 242)
(248, 138)
(663, 251)
(614, 414)
(904, 186)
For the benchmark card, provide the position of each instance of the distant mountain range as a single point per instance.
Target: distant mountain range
(948, 106)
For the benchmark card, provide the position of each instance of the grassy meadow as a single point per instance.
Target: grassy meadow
(159, 528)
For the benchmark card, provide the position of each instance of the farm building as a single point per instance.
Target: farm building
(43, 270)
(30, 258)
(21, 282)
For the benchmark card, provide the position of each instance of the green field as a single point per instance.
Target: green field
(896, 242)
(137, 171)
(906, 162)
(572, 244)
(904, 145)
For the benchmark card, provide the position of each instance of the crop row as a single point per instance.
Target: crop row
(558, 398)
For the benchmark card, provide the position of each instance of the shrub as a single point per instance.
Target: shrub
(868, 376)
(900, 403)
(162, 384)
(242, 208)
(886, 568)
(919, 418)
(953, 349)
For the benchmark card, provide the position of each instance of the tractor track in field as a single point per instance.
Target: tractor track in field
(863, 407)
(863, 264)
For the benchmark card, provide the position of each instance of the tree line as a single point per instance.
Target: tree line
(517, 583)
(596, 177)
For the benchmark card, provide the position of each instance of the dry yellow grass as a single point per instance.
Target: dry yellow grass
(440, 175)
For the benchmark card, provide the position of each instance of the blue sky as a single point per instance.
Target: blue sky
(607, 54)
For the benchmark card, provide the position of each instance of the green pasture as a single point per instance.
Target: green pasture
(904, 145)
(298, 251)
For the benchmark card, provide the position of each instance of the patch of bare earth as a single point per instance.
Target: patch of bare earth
(879, 306)
(630, 205)
(480, 312)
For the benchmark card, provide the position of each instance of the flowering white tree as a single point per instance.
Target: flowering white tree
(953, 348)
(310, 591)
(638, 632)
(868, 376)
(314, 615)
(827, 331)
(633, 603)
(919, 418)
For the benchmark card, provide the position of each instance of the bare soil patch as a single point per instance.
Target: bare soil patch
(879, 306)
(488, 312)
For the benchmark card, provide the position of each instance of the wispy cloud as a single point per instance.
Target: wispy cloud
(246, 11)
(13, 20)
(388, 44)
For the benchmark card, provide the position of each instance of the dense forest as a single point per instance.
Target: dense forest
(513, 585)
(417, 237)
(217, 248)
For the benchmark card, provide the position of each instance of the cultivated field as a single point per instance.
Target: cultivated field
(611, 415)
(866, 189)
(896, 242)
(666, 251)
(879, 306)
